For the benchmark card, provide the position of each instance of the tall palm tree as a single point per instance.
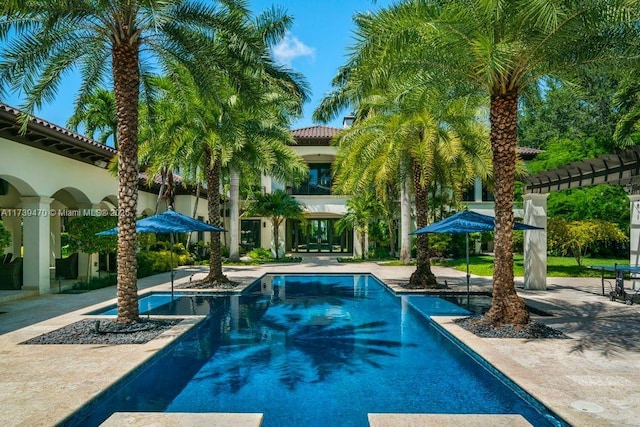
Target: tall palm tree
(502, 47)
(47, 39)
(424, 135)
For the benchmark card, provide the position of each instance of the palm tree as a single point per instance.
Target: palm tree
(361, 210)
(422, 135)
(279, 206)
(97, 114)
(45, 41)
(503, 48)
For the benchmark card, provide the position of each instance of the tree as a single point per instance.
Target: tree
(82, 235)
(361, 210)
(503, 48)
(97, 114)
(575, 237)
(279, 206)
(573, 111)
(422, 133)
(46, 41)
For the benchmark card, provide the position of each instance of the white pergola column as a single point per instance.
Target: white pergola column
(36, 226)
(634, 237)
(535, 242)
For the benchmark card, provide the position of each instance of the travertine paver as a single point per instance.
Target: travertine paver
(590, 380)
(446, 420)
(135, 419)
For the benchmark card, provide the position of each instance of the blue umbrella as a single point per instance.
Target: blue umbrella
(468, 222)
(168, 222)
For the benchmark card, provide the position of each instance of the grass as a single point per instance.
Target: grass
(556, 266)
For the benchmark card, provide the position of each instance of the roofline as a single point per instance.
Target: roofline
(47, 136)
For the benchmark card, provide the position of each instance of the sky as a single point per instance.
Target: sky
(316, 46)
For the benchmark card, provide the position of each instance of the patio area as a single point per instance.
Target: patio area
(589, 380)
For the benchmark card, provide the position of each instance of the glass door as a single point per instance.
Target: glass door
(318, 236)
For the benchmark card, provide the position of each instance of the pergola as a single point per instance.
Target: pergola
(621, 168)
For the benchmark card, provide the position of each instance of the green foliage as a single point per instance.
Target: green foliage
(5, 237)
(562, 151)
(82, 234)
(96, 283)
(159, 261)
(570, 111)
(601, 202)
(575, 237)
(260, 254)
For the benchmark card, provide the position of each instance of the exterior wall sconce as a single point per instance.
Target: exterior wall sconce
(100, 163)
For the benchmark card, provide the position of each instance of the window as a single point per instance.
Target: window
(319, 180)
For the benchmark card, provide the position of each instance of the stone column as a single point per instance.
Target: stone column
(36, 226)
(535, 242)
(634, 237)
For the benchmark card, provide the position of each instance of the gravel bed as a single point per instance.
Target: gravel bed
(479, 326)
(108, 332)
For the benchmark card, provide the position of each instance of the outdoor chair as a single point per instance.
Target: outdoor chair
(11, 275)
(7, 258)
(67, 268)
(618, 291)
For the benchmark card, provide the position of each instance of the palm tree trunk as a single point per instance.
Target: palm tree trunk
(195, 212)
(163, 178)
(126, 81)
(405, 220)
(213, 168)
(506, 307)
(423, 277)
(234, 215)
(275, 223)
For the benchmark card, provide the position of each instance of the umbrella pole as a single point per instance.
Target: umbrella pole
(468, 305)
(171, 262)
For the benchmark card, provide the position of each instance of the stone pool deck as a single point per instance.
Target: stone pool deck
(592, 379)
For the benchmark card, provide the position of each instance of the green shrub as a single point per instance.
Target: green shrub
(260, 254)
(159, 245)
(159, 262)
(96, 283)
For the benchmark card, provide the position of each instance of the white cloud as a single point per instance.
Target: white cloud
(291, 48)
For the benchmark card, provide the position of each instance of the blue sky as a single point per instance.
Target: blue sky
(316, 46)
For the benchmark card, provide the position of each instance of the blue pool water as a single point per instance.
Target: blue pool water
(317, 351)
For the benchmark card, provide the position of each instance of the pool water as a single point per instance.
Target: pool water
(318, 351)
(163, 303)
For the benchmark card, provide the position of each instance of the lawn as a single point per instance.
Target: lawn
(556, 266)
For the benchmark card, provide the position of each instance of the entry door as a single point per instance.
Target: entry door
(319, 235)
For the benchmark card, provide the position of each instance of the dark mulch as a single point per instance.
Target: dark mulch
(108, 332)
(209, 285)
(479, 326)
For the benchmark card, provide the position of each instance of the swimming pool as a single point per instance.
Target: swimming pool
(318, 351)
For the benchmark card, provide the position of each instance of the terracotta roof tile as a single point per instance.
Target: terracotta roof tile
(315, 132)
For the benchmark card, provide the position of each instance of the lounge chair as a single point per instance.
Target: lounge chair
(67, 268)
(11, 275)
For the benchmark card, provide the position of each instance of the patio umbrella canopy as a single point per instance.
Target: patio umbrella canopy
(168, 222)
(468, 222)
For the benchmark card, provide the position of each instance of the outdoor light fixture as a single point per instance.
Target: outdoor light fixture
(100, 163)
